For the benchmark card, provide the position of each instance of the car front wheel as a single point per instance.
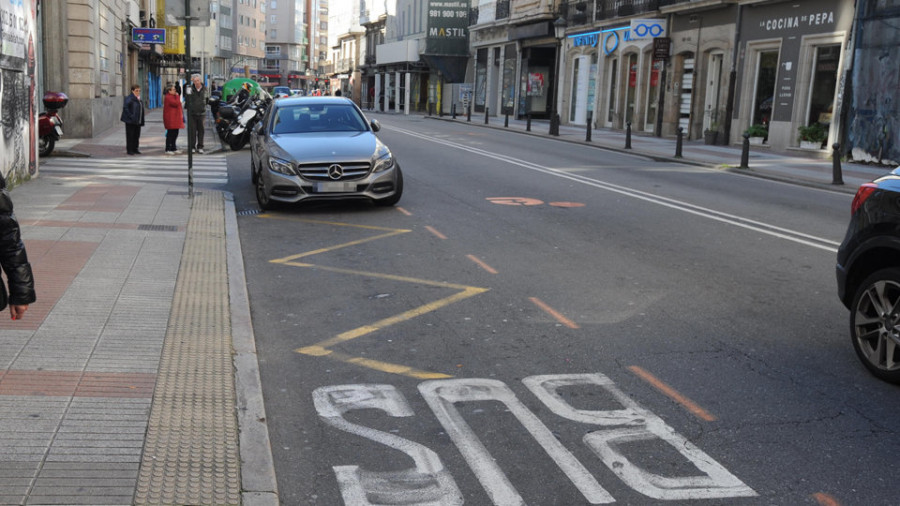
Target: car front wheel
(875, 324)
(262, 196)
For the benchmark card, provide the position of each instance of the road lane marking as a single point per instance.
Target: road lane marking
(322, 349)
(731, 219)
(554, 313)
(688, 404)
(482, 264)
(404, 211)
(435, 232)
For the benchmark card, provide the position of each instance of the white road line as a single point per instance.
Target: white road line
(738, 221)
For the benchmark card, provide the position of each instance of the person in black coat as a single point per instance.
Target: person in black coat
(13, 261)
(133, 117)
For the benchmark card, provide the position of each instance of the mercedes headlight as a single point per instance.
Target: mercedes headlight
(281, 166)
(382, 159)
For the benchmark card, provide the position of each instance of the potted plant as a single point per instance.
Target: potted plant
(711, 134)
(812, 136)
(757, 134)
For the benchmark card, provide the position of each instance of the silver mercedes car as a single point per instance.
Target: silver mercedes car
(321, 148)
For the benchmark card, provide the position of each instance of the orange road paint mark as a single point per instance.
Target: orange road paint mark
(673, 394)
(481, 264)
(514, 201)
(825, 499)
(404, 211)
(435, 232)
(566, 204)
(554, 313)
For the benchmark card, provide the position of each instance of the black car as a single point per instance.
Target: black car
(868, 275)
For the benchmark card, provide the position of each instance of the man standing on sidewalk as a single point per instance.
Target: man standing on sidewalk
(133, 117)
(195, 100)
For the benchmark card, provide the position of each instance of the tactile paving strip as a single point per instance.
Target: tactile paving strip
(191, 452)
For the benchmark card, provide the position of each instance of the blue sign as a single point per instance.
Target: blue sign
(148, 35)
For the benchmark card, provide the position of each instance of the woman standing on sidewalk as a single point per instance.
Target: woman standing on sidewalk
(173, 118)
(13, 260)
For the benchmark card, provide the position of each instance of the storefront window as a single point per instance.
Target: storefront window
(653, 94)
(764, 98)
(480, 79)
(509, 79)
(592, 83)
(632, 88)
(824, 83)
(574, 106)
(613, 90)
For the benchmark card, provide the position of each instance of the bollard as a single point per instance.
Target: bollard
(836, 177)
(487, 112)
(441, 111)
(745, 152)
(528, 122)
(590, 119)
(429, 108)
(679, 141)
(453, 110)
(469, 113)
(506, 119)
(628, 135)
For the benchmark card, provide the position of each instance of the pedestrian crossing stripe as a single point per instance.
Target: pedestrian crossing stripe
(210, 169)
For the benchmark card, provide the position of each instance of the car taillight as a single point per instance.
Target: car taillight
(864, 192)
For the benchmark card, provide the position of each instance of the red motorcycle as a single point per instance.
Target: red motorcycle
(49, 123)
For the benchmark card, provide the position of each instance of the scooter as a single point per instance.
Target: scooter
(49, 122)
(239, 133)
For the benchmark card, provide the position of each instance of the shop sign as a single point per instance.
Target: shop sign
(661, 48)
(642, 29)
(793, 22)
(148, 35)
(448, 27)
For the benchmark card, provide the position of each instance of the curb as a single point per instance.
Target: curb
(258, 483)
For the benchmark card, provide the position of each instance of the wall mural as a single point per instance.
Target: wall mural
(18, 128)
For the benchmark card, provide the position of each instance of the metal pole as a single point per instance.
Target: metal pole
(745, 152)
(453, 110)
(188, 65)
(506, 119)
(836, 177)
(487, 111)
(528, 122)
(554, 116)
(469, 113)
(628, 135)
(679, 141)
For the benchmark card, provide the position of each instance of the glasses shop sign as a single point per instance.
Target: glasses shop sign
(640, 30)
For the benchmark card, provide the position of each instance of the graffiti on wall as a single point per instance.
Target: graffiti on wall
(874, 126)
(18, 136)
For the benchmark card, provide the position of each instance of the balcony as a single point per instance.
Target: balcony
(577, 12)
(609, 9)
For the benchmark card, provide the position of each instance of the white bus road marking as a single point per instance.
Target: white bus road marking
(429, 484)
(640, 425)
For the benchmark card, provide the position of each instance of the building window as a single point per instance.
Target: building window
(824, 84)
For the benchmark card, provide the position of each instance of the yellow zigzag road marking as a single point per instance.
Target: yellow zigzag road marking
(322, 349)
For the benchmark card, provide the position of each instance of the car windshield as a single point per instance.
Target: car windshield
(318, 118)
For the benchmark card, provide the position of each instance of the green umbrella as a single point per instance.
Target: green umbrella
(233, 86)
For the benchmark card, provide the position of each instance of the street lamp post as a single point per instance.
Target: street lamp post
(559, 27)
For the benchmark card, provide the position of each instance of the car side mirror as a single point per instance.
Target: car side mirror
(376, 126)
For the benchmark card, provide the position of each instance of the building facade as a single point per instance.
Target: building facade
(19, 90)
(287, 44)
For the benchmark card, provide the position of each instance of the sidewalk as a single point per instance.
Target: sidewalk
(133, 379)
(794, 166)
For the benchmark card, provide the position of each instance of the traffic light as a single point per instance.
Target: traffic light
(317, 81)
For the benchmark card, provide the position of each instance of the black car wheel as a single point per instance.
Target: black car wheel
(875, 324)
(262, 197)
(393, 199)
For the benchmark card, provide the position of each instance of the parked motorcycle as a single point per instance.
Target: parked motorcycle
(238, 134)
(49, 122)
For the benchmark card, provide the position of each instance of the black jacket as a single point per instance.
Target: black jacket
(133, 110)
(13, 259)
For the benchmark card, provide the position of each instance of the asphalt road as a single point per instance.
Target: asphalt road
(550, 324)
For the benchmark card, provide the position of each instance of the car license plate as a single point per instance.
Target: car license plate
(335, 187)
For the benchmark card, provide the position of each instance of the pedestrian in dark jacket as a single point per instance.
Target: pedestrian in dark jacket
(13, 261)
(133, 116)
(195, 103)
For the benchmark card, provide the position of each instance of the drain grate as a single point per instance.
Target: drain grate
(158, 228)
(248, 212)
